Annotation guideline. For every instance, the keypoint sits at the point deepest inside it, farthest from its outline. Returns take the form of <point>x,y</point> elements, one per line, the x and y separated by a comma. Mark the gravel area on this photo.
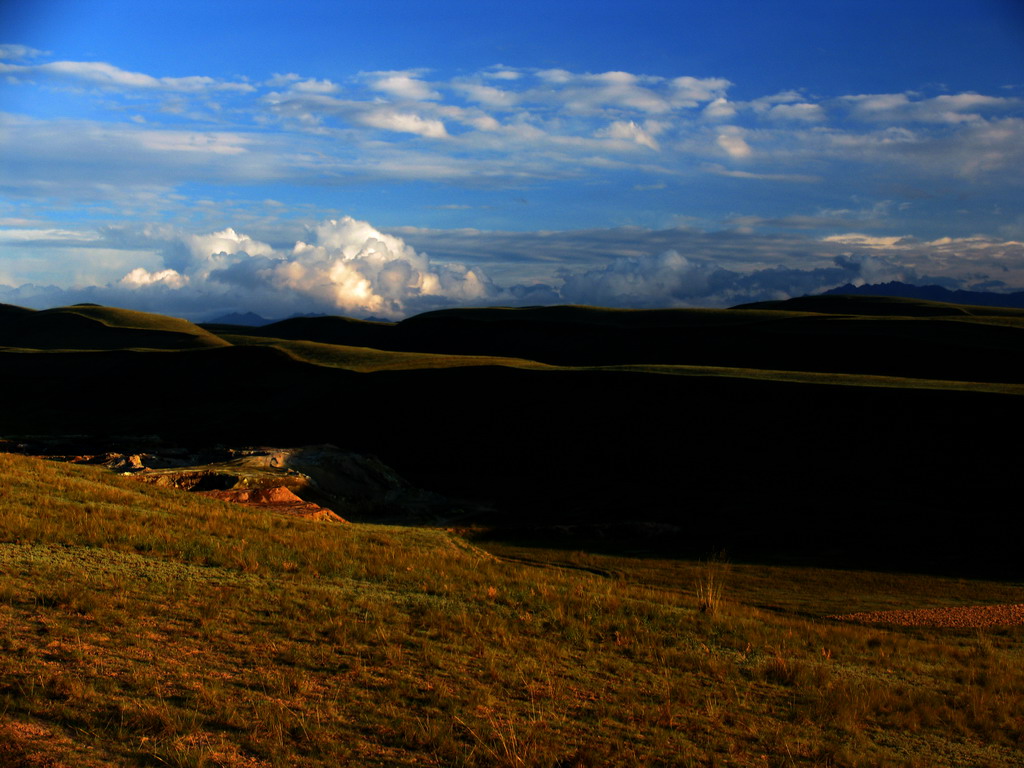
<point>959,616</point>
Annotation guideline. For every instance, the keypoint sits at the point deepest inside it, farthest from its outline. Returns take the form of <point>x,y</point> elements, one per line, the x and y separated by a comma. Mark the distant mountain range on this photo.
<point>240,318</point>
<point>932,293</point>
<point>251,319</point>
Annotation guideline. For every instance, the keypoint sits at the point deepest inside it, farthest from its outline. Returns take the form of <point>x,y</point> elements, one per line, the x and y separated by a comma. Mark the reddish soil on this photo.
<point>279,499</point>
<point>959,616</point>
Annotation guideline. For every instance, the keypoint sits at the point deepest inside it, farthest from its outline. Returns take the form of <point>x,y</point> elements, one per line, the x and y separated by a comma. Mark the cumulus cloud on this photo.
<point>347,266</point>
<point>659,280</point>
<point>139,277</point>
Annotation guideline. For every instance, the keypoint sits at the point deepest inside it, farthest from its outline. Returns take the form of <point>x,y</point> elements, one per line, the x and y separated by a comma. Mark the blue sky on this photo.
<point>392,157</point>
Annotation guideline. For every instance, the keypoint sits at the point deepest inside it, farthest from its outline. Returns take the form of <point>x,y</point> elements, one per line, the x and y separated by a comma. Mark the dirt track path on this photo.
<point>960,616</point>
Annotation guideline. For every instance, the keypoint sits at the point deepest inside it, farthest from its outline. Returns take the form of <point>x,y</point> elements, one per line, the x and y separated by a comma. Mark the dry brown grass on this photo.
<point>139,627</point>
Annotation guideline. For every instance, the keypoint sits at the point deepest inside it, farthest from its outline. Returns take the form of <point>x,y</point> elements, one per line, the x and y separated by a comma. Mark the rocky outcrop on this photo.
<point>342,483</point>
<point>277,499</point>
<point>329,482</point>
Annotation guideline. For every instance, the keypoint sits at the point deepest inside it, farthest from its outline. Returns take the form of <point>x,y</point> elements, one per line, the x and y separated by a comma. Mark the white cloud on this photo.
<point>140,277</point>
<point>11,51</point>
<point>495,127</point>
<point>403,85</point>
<point>44,235</point>
<point>660,280</point>
<point>487,95</point>
<point>690,91</point>
<point>947,108</point>
<point>313,85</point>
<point>218,249</point>
<point>104,75</point>
<point>347,266</point>
<point>802,112</point>
<point>192,141</point>
<point>719,109</point>
<point>402,122</point>
<point>629,131</point>
<point>128,164</point>
<point>865,241</point>
<point>502,74</point>
<point>731,140</point>
<point>720,170</point>
<point>586,94</point>
<point>278,80</point>
<point>482,123</point>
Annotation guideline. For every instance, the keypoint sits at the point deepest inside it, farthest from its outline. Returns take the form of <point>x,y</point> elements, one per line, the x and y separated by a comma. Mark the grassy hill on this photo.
<point>856,304</point>
<point>851,335</point>
<point>87,326</point>
<point>145,627</point>
<point>881,435</point>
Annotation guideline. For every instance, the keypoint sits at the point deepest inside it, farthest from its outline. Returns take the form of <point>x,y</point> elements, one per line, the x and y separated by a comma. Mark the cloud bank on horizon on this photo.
<point>349,267</point>
<point>201,192</point>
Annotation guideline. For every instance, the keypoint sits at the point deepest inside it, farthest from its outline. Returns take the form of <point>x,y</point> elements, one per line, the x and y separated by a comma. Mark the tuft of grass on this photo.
<point>711,584</point>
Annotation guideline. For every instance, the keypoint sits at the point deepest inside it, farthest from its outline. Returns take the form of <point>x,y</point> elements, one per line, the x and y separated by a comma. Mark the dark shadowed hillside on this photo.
<point>826,436</point>
<point>882,336</point>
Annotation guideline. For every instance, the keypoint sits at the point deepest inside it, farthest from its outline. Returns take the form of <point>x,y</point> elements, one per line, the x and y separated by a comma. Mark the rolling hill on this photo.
<point>91,327</point>
<point>833,334</point>
<point>834,430</point>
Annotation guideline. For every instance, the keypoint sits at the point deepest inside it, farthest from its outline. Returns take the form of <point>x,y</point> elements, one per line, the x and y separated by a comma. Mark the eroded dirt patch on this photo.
<point>278,499</point>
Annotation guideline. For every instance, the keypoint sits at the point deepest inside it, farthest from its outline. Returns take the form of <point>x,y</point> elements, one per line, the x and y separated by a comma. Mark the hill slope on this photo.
<point>853,335</point>
<point>784,457</point>
<point>143,627</point>
<point>86,326</point>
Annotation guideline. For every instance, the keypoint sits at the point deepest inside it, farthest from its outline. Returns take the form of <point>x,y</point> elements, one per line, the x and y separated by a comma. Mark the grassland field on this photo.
<point>141,626</point>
